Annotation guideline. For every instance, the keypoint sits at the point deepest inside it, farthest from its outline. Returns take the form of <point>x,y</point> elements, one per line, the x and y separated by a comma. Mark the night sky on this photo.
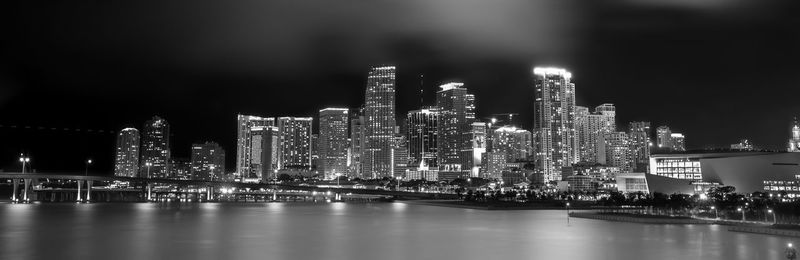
<point>716,70</point>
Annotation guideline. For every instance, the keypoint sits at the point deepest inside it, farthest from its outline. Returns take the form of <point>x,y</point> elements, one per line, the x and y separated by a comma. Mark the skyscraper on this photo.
<point>379,122</point>
<point>246,154</point>
<point>127,155</point>
<point>478,145</point>
<point>456,115</point>
<point>663,135</point>
<point>590,127</point>
<point>794,142</point>
<point>422,137</point>
<point>155,149</point>
<point>333,141</point>
<point>639,135</point>
<point>399,155</point>
<point>554,121</point>
<point>514,142</point>
<point>357,146</point>
<point>678,142</point>
<point>295,142</point>
<point>180,168</point>
<point>207,161</point>
<point>614,150</point>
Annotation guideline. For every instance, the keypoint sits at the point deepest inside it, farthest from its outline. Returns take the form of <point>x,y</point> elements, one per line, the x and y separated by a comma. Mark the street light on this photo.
<point>774,219</point>
<point>398,182</point>
<point>337,179</point>
<point>24,160</point>
<point>88,162</point>
<point>740,209</point>
<point>212,167</point>
<point>716,215</point>
<point>567,208</point>
<point>148,164</point>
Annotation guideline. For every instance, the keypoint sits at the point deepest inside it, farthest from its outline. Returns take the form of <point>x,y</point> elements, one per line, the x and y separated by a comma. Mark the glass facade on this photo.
<point>679,168</point>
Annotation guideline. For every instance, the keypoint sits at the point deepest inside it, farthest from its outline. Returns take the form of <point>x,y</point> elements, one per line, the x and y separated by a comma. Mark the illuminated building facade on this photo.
<point>554,121</point>
<point>295,142</point>
<point>639,137</point>
<point>155,150</point>
<point>743,145</point>
<point>207,161</point>
<point>670,141</point>
<point>379,122</point>
<point>422,137</point>
<point>400,157</point>
<point>515,143</point>
<point>454,140</point>
<point>248,157</point>
<point>477,148</point>
<point>332,143</point>
<point>127,155</point>
<point>180,168</point>
<point>356,148</point>
<point>590,127</point>
<point>615,151</point>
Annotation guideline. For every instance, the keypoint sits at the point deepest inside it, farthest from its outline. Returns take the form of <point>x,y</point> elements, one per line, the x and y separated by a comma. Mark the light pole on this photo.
<point>24,160</point>
<point>716,215</point>
<point>88,162</point>
<point>774,219</point>
<point>148,164</point>
<point>337,180</point>
<point>741,210</point>
<point>398,182</point>
<point>567,208</point>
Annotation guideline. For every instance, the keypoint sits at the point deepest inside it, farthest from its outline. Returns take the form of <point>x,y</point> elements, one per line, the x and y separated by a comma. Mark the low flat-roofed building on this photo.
<point>748,172</point>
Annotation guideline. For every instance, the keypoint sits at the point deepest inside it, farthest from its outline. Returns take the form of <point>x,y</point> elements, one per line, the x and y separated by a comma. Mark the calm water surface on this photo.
<point>350,231</point>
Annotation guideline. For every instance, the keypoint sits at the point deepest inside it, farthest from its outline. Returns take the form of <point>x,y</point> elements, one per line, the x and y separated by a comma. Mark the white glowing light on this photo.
<point>544,71</point>
<point>451,85</point>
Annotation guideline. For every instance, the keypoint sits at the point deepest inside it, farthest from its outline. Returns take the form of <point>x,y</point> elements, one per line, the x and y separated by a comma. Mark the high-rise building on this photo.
<point>356,148</point>
<point>794,142</point>
<point>554,121</point>
<point>127,155</point>
<point>295,142</point>
<point>270,154</point>
<point>207,161</point>
<point>663,137</point>
<point>155,150</point>
<point>456,115</point>
<point>678,141</point>
<point>478,146</point>
<point>615,151</point>
<point>422,137</point>
<point>180,168</point>
<point>399,155</point>
<point>639,135</point>
<point>514,142</point>
<point>315,160</point>
<point>379,122</point>
<point>590,127</point>
<point>332,143</point>
<point>248,157</point>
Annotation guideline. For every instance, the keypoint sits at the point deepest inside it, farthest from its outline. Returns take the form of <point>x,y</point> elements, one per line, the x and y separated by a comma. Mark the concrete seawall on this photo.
<point>766,231</point>
<point>639,219</point>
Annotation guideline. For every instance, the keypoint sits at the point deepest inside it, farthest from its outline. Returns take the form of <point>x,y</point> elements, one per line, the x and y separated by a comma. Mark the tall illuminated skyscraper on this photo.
<point>333,141</point>
<point>554,121</point>
<point>356,148</point>
<point>127,155</point>
<point>456,115</point>
<point>513,142</point>
<point>614,150</point>
<point>248,150</point>
<point>591,127</point>
<point>422,136</point>
<point>295,142</point>
<point>207,161</point>
<point>639,135</point>
<point>155,149</point>
<point>379,122</point>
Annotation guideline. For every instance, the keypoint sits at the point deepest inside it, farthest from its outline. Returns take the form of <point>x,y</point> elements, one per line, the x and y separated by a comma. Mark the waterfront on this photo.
<point>350,231</point>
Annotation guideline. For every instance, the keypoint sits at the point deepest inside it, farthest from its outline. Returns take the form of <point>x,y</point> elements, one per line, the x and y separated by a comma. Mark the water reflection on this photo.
<point>349,231</point>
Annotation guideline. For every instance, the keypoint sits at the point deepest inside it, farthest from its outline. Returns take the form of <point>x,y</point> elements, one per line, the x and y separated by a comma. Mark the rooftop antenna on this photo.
<point>421,89</point>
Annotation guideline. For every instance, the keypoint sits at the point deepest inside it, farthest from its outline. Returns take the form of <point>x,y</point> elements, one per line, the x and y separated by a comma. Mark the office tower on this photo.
<point>474,153</point>
<point>663,137</point>
<point>295,142</point>
<point>639,135</point>
<point>356,147</point>
<point>422,137</point>
<point>379,122</point>
<point>207,161</point>
<point>678,142</point>
<point>332,143</point>
<point>494,163</point>
<point>315,161</point>
<point>399,155</point>
<point>127,157</point>
<point>615,151</point>
<point>583,143</point>
<point>554,121</point>
<point>155,149</point>
<point>180,168</point>
<point>456,115</point>
<point>246,154</point>
<point>794,142</point>
<point>270,153</point>
<point>515,143</point>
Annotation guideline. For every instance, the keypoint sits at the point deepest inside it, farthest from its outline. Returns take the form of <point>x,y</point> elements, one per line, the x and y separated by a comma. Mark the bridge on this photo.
<point>153,189</point>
